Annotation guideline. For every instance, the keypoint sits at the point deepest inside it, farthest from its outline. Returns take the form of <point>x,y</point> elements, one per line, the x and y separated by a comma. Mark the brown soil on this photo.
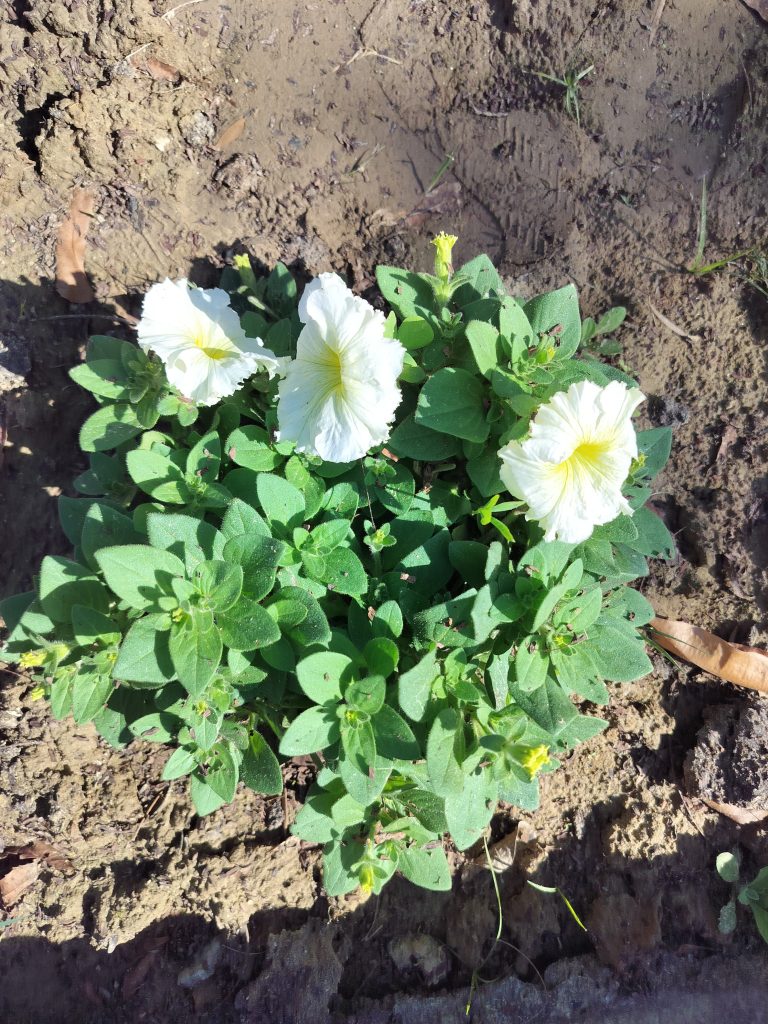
<point>309,132</point>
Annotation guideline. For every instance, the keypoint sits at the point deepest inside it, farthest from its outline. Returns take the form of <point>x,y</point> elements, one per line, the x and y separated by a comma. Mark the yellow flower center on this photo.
<point>212,351</point>
<point>586,458</point>
<point>534,760</point>
<point>333,383</point>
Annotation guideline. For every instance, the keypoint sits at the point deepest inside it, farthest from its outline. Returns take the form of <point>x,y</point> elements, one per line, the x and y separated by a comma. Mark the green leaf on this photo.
<point>192,540</point>
<point>359,745</point>
<point>181,762</point>
<point>452,401</point>
<point>396,492</point>
<point>144,656</point>
<point>250,447</point>
<point>531,664</point>
<point>388,621</point>
<point>204,459</point>
<point>394,737</point>
<point>365,787</point>
<point>223,779</point>
<point>313,629</point>
<point>157,476</point>
<point>246,626</point>
<point>655,445</point>
<point>90,692</point>
<point>219,582</point>
<point>282,502</point>
<point>618,652</point>
<point>611,320</point>
<point>104,527</point>
<point>482,277</point>
<point>344,573</point>
<point>445,774</point>
<point>339,868</point>
<point>315,729</point>
<point>366,694</point>
<point>483,340</point>
<point>653,538</point>
<point>414,687</point>
<point>329,535</point>
<point>281,292</point>
<point>412,440</point>
<point>427,868</point>
<point>61,696</point>
<point>548,706</point>
<point>314,823</point>
<point>558,308</point>
<point>196,647</point>
<point>260,769</point>
<point>107,378</point>
<point>241,518</point>
<point>108,427</point>
<point>408,294</point>
<point>727,865</point>
<point>469,811</point>
<point>259,557</point>
<point>139,574</point>
<point>428,565</point>
<point>414,333</point>
<point>515,326</point>
<point>72,513</point>
<point>64,584</point>
<point>381,656</point>
<point>322,676</point>
<point>483,471</point>
<point>90,626</point>
<point>205,799</point>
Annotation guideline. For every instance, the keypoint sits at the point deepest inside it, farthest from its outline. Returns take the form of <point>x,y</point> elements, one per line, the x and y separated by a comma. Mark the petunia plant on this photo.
<point>397,544</point>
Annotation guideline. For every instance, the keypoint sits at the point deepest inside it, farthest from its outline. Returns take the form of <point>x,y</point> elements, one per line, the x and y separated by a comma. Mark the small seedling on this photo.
<point>442,170</point>
<point>753,895</point>
<point>699,267</point>
<point>570,81</point>
<point>591,331</point>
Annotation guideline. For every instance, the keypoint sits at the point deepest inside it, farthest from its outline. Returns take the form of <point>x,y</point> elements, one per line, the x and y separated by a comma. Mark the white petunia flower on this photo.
<point>571,469</point>
<point>198,336</point>
<point>340,393</point>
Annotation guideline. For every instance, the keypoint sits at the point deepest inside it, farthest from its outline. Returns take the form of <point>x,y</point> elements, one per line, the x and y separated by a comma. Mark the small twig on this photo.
<point>78,316</point>
<point>671,326</point>
<point>488,113</point>
<point>365,51</point>
<point>187,3</point>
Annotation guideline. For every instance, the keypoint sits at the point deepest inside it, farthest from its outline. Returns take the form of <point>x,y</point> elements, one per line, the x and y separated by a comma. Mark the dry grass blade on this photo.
<point>672,326</point>
<point>741,815</point>
<point>744,666</point>
<point>71,282</point>
<point>158,69</point>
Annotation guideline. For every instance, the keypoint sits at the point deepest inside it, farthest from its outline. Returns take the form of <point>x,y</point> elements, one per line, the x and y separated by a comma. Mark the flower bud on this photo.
<point>444,246</point>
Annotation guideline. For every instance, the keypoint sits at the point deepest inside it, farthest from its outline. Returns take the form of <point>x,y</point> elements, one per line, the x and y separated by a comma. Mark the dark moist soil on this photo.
<point>310,132</point>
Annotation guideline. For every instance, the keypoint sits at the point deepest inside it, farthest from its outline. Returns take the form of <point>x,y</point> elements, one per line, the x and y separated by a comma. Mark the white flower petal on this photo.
<point>340,393</point>
<point>571,469</point>
<point>198,336</point>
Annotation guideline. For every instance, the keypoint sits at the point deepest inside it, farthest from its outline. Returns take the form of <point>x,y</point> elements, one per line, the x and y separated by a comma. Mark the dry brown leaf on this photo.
<point>741,815</point>
<point>759,6</point>
<point>71,282</point>
<point>230,134</point>
<point>745,666</point>
<point>159,70</point>
<point>15,882</point>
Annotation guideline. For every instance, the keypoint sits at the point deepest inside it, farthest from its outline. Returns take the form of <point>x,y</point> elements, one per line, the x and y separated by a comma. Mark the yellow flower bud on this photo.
<point>32,659</point>
<point>444,245</point>
<point>534,759</point>
<point>366,878</point>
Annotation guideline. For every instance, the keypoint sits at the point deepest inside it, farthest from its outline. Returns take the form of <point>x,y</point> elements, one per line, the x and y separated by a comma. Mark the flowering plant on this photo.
<point>399,545</point>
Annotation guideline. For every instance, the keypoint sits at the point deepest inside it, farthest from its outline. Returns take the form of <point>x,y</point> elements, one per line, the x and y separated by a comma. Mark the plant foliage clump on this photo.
<point>397,619</point>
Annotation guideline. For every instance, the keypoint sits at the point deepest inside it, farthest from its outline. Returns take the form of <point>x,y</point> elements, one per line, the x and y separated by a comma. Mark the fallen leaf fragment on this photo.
<point>741,815</point>
<point>159,70</point>
<point>71,282</point>
<point>15,883</point>
<point>744,666</point>
<point>230,134</point>
<point>440,202</point>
